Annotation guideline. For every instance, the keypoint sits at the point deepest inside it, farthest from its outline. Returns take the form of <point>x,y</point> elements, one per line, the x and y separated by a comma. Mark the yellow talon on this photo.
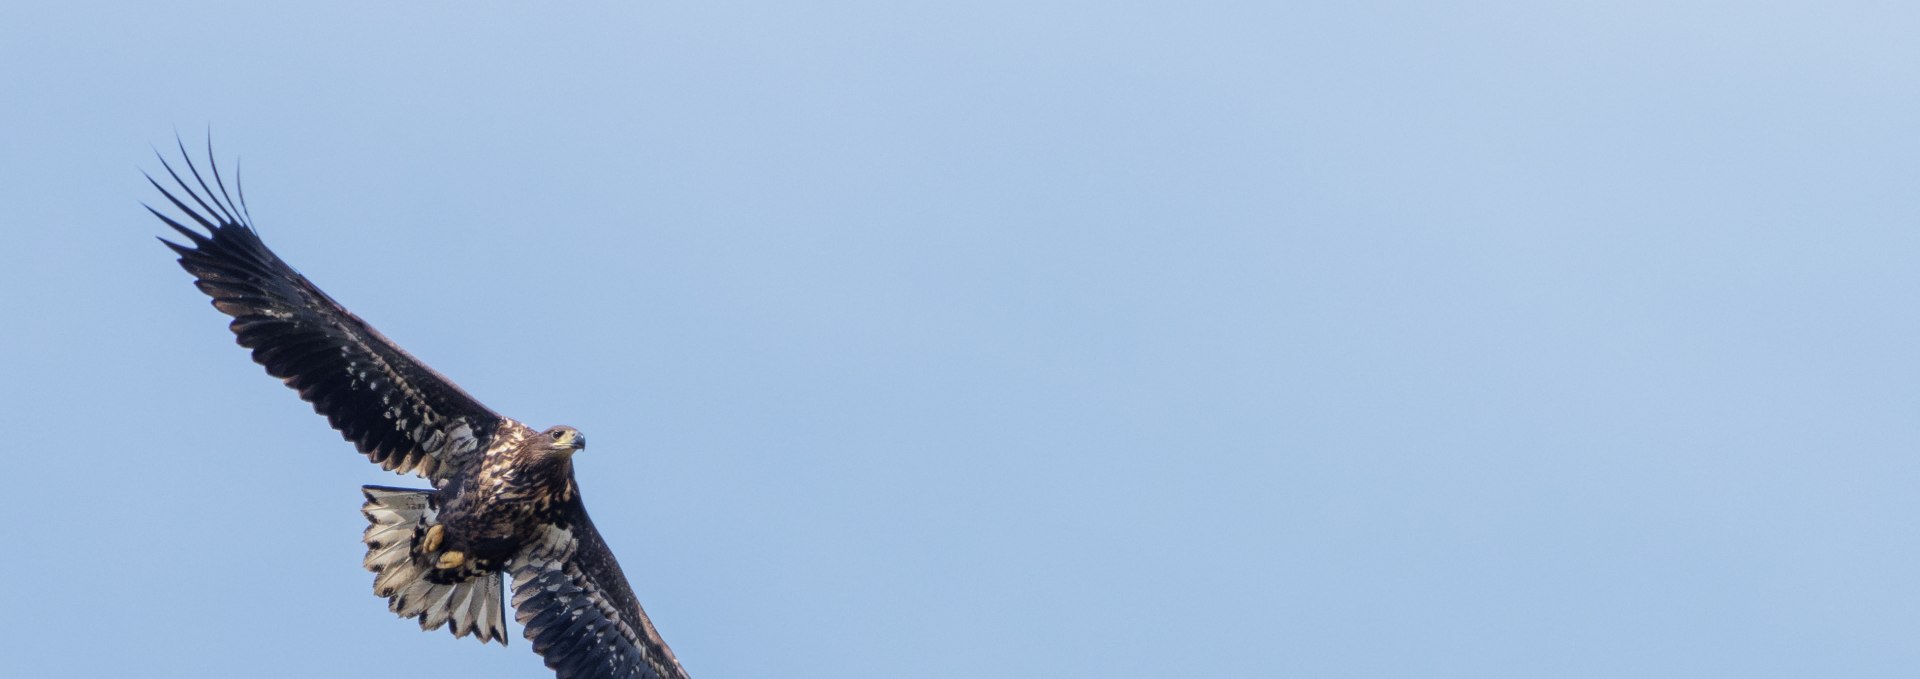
<point>434,536</point>
<point>451,559</point>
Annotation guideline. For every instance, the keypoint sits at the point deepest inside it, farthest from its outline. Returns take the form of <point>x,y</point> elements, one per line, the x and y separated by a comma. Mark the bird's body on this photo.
<point>500,504</point>
<point>504,501</point>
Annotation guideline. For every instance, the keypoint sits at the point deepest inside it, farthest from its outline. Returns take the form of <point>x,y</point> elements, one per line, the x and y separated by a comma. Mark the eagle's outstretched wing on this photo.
<point>402,414</point>
<point>578,609</point>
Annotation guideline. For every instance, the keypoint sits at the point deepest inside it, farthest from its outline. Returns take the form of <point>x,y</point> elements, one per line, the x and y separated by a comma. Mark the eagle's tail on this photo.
<point>398,518</point>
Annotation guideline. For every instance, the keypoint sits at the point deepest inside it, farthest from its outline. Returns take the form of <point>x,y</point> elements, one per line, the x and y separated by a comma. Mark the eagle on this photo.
<point>503,502</point>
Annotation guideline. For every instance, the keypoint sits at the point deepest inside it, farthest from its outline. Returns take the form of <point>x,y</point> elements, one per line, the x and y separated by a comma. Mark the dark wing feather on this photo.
<point>579,611</point>
<point>402,414</point>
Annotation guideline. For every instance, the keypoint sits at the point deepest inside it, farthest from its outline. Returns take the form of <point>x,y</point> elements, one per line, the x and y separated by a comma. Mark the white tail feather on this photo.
<point>397,518</point>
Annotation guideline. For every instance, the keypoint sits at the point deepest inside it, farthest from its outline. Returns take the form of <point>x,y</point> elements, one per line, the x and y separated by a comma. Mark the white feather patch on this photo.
<point>396,518</point>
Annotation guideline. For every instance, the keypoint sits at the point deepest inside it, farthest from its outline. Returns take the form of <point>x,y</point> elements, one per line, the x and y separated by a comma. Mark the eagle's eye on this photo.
<point>555,435</point>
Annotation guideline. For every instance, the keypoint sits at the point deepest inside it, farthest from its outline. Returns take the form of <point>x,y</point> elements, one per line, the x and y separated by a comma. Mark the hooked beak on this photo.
<point>579,442</point>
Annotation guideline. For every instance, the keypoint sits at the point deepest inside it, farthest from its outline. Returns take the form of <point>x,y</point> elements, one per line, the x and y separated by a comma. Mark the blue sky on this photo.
<point>1045,338</point>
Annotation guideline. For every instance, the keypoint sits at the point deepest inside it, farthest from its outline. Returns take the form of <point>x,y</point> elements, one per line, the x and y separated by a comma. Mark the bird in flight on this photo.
<point>503,504</point>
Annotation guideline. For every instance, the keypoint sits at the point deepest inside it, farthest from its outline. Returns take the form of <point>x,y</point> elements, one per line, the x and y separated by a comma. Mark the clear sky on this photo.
<point>1043,339</point>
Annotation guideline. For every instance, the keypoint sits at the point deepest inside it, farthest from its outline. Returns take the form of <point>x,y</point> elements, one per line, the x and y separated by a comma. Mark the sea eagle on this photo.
<point>503,502</point>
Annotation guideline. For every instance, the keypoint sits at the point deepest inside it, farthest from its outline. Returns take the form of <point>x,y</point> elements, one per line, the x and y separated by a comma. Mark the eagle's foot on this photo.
<point>452,559</point>
<point>435,535</point>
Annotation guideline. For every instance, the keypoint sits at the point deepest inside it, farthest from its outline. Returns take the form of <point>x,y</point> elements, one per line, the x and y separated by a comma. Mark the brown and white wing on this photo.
<point>396,410</point>
<point>579,611</point>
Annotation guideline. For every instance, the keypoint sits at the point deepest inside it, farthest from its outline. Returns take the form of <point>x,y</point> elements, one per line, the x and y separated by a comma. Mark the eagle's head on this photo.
<point>563,441</point>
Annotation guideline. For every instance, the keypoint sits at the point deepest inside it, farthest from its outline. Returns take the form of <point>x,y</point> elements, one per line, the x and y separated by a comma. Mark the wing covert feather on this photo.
<point>402,414</point>
<point>580,612</point>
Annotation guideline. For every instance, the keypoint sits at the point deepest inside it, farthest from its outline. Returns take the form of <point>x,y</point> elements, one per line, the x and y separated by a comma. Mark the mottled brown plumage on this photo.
<point>503,501</point>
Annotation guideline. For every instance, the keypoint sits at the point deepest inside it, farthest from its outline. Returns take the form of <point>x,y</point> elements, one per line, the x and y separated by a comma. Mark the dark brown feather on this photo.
<point>396,410</point>
<point>579,611</point>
